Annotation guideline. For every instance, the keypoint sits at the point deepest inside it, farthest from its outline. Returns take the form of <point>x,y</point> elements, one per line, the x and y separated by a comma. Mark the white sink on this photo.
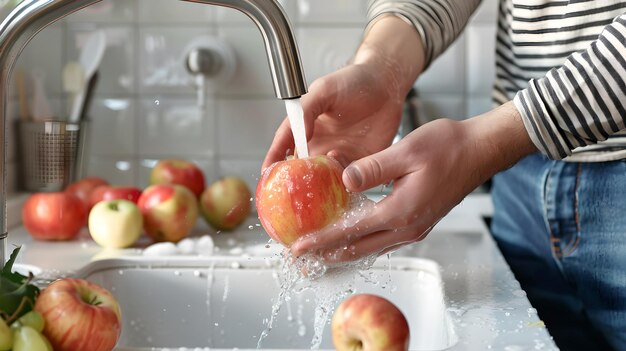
<point>223,303</point>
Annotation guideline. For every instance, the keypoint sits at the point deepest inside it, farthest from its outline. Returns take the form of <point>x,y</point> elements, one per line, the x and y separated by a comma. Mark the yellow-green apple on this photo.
<point>109,192</point>
<point>300,196</point>
<point>115,223</point>
<point>32,319</point>
<point>226,203</point>
<point>179,172</point>
<point>83,188</point>
<point>6,336</point>
<point>27,338</point>
<point>169,211</point>
<point>79,315</point>
<point>371,323</point>
<point>54,216</point>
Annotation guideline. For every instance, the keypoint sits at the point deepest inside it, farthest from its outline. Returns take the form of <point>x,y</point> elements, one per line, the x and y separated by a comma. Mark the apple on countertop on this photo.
<point>169,211</point>
<point>225,204</point>
<point>115,223</point>
<point>178,172</point>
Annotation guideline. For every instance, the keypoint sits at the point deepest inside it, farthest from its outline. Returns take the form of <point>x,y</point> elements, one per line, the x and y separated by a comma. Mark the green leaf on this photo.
<point>17,295</point>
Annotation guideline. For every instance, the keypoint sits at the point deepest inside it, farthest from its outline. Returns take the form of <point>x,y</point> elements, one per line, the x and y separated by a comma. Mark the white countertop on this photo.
<point>488,306</point>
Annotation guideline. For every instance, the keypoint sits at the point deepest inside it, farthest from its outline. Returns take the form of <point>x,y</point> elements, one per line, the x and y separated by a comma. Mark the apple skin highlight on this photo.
<point>300,196</point>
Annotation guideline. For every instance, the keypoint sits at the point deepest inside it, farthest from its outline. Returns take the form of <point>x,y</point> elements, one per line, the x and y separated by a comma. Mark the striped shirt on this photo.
<point>562,62</point>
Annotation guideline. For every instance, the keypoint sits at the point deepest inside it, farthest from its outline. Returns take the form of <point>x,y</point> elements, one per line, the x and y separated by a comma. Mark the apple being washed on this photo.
<point>83,188</point>
<point>225,204</point>
<point>79,315</point>
<point>108,192</point>
<point>179,172</point>
<point>299,196</point>
<point>54,216</point>
<point>169,211</point>
<point>371,323</point>
<point>115,223</point>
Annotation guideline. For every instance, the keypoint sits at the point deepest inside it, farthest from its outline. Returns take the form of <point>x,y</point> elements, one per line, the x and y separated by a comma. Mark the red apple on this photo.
<point>109,192</point>
<point>83,188</point>
<point>79,315</point>
<point>169,211</point>
<point>54,216</point>
<point>300,196</point>
<point>225,204</point>
<point>369,322</point>
<point>115,223</point>
<point>179,172</point>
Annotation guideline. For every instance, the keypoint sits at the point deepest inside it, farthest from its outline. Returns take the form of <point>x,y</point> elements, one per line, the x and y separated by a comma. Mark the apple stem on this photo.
<point>113,206</point>
<point>94,301</point>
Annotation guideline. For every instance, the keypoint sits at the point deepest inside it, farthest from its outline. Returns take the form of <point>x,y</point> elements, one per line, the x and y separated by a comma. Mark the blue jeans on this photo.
<point>562,228</point>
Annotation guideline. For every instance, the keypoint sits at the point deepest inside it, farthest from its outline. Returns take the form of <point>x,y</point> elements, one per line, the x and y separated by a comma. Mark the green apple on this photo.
<point>28,339</point>
<point>115,223</point>
<point>32,319</point>
<point>6,336</point>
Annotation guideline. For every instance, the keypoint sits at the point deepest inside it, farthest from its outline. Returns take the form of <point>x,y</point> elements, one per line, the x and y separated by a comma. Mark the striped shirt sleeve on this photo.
<point>583,101</point>
<point>438,22</point>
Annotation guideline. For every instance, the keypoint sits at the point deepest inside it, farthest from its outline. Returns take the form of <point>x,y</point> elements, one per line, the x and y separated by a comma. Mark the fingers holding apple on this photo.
<point>370,323</point>
<point>79,315</point>
<point>54,216</point>
<point>299,196</point>
<point>178,172</point>
<point>115,223</point>
<point>225,204</point>
<point>169,211</point>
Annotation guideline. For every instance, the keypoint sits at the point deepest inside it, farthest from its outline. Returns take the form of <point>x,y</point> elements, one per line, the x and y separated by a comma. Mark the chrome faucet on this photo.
<point>31,16</point>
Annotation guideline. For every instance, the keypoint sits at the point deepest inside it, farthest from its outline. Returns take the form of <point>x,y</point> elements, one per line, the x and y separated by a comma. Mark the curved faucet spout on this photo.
<point>280,44</point>
<point>31,16</point>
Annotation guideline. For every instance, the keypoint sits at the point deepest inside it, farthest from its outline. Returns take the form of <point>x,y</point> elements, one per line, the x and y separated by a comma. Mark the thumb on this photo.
<point>379,168</point>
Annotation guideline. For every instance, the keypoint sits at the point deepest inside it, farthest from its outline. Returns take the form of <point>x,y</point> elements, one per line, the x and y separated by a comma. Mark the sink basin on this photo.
<point>224,303</point>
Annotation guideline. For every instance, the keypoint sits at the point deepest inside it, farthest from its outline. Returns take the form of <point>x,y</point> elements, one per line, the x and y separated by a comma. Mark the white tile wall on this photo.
<point>146,101</point>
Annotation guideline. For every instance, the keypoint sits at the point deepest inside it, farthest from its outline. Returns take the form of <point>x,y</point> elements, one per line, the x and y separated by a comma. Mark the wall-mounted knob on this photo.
<point>212,61</point>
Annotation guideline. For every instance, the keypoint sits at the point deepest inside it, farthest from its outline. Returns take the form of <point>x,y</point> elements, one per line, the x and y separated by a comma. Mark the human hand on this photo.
<point>348,114</point>
<point>433,169</point>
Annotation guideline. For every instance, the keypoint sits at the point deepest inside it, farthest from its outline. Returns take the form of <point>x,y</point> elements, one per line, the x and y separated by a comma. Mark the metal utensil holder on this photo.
<point>51,154</point>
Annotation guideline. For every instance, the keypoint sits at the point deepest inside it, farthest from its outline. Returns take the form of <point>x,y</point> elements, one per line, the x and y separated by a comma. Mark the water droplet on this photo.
<point>157,102</point>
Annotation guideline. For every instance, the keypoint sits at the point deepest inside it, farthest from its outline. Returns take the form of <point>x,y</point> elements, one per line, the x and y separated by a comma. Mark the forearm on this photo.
<point>438,22</point>
<point>393,48</point>
<point>581,102</point>
<point>500,139</point>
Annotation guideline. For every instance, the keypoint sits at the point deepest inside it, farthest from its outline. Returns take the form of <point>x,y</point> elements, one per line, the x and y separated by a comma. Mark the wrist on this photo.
<point>394,50</point>
<point>500,138</point>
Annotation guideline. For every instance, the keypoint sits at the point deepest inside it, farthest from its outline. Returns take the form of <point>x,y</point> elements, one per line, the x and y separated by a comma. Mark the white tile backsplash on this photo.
<point>332,11</point>
<point>146,104</point>
<point>161,61</point>
<point>447,73</point>
<point>107,11</point>
<point>481,41</point>
<point>326,50</point>
<point>112,127</point>
<point>252,75</point>
<point>173,127</point>
<point>246,127</point>
<point>168,11</point>
<point>116,171</point>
